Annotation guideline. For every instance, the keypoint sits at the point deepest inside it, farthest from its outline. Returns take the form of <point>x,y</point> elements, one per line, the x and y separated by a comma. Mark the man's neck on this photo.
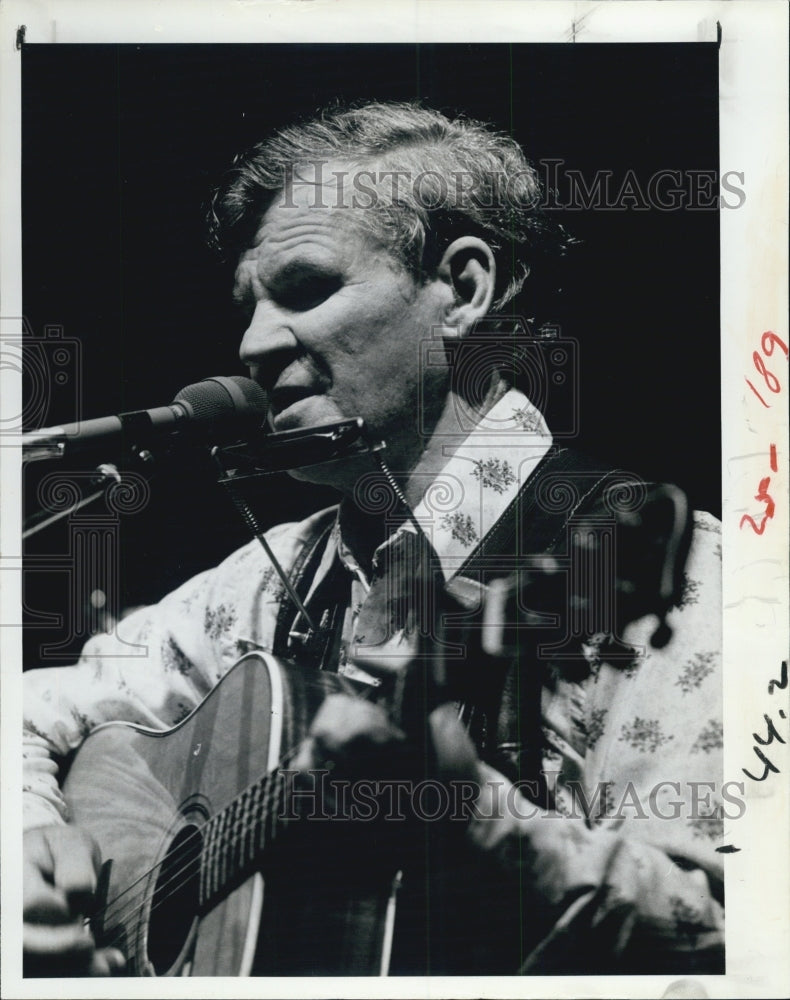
<point>455,423</point>
<point>363,530</point>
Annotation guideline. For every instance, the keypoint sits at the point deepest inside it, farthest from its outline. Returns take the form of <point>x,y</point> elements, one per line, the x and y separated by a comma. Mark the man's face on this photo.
<point>335,329</point>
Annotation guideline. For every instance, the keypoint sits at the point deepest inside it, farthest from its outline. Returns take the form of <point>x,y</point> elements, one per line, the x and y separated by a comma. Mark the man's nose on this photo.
<point>268,342</point>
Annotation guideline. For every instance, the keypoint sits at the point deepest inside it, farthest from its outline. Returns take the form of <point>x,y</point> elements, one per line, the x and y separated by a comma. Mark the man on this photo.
<point>377,251</point>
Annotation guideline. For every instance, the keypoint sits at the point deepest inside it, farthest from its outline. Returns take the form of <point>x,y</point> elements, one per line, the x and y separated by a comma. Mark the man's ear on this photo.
<point>468,266</point>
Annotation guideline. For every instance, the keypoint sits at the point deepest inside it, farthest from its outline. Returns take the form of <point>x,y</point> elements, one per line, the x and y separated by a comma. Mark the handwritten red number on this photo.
<point>771,381</point>
<point>757,394</point>
<point>770,508</point>
<point>762,496</point>
<point>768,340</point>
<point>748,519</point>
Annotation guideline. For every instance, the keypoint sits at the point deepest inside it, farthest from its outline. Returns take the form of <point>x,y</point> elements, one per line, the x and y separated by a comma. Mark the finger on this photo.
<point>107,962</point>
<point>75,866</point>
<point>68,951</point>
<point>43,903</point>
<point>67,946</point>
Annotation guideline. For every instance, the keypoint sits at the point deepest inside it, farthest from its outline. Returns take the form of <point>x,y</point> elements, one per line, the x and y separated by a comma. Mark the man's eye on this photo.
<point>307,293</point>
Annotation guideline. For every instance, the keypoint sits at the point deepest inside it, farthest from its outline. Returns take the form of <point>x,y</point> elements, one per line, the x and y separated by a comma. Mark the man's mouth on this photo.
<point>283,397</point>
<point>285,406</point>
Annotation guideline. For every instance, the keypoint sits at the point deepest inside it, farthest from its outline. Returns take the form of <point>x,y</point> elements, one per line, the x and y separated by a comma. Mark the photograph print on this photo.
<point>387,639</point>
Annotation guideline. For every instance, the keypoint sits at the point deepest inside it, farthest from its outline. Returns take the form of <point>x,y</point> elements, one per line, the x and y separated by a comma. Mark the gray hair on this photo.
<point>464,178</point>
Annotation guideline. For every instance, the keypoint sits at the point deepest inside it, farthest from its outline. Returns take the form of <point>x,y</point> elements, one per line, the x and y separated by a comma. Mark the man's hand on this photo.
<point>356,740</point>
<point>61,864</point>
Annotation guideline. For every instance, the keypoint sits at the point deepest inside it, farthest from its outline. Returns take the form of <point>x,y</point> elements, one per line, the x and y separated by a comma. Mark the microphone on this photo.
<point>220,410</point>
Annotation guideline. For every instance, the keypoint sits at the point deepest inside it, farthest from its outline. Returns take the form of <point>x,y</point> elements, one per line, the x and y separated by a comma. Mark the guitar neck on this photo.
<point>234,839</point>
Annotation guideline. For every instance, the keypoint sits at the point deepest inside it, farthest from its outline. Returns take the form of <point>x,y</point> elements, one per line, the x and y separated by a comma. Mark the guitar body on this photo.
<point>149,797</point>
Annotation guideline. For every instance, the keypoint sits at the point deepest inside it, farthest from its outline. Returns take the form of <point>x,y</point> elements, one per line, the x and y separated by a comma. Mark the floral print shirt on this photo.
<point>626,854</point>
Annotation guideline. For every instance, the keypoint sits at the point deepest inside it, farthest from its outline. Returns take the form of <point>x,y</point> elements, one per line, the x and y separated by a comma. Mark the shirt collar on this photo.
<point>463,502</point>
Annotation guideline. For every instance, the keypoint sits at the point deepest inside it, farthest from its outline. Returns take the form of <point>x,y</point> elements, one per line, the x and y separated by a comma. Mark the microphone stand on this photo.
<point>106,475</point>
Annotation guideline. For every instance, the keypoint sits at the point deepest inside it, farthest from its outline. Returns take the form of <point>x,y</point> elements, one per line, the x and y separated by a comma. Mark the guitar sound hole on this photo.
<point>175,902</point>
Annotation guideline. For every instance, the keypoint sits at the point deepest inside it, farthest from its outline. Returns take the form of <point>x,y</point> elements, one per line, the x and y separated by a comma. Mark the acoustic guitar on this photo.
<point>198,829</point>
<point>185,818</point>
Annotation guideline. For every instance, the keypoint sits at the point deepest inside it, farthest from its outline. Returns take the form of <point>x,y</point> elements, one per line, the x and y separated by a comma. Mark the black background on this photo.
<point>122,145</point>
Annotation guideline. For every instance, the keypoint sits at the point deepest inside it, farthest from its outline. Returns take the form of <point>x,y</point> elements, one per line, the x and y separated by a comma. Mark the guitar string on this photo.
<point>275,791</point>
<point>278,789</point>
<point>286,757</point>
<point>194,862</point>
<point>135,908</point>
<point>199,833</point>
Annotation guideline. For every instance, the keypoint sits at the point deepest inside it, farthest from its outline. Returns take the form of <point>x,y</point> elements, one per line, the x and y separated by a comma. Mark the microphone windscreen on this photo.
<point>256,398</point>
<point>225,396</point>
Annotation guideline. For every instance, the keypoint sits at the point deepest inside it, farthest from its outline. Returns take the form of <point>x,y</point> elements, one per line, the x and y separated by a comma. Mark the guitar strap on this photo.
<point>564,486</point>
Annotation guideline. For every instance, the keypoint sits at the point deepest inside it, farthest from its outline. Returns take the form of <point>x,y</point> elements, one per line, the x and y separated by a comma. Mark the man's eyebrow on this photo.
<point>282,274</point>
<point>297,266</point>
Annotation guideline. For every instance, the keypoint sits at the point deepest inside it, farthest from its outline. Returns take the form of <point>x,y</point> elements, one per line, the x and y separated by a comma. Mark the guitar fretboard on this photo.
<point>235,837</point>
